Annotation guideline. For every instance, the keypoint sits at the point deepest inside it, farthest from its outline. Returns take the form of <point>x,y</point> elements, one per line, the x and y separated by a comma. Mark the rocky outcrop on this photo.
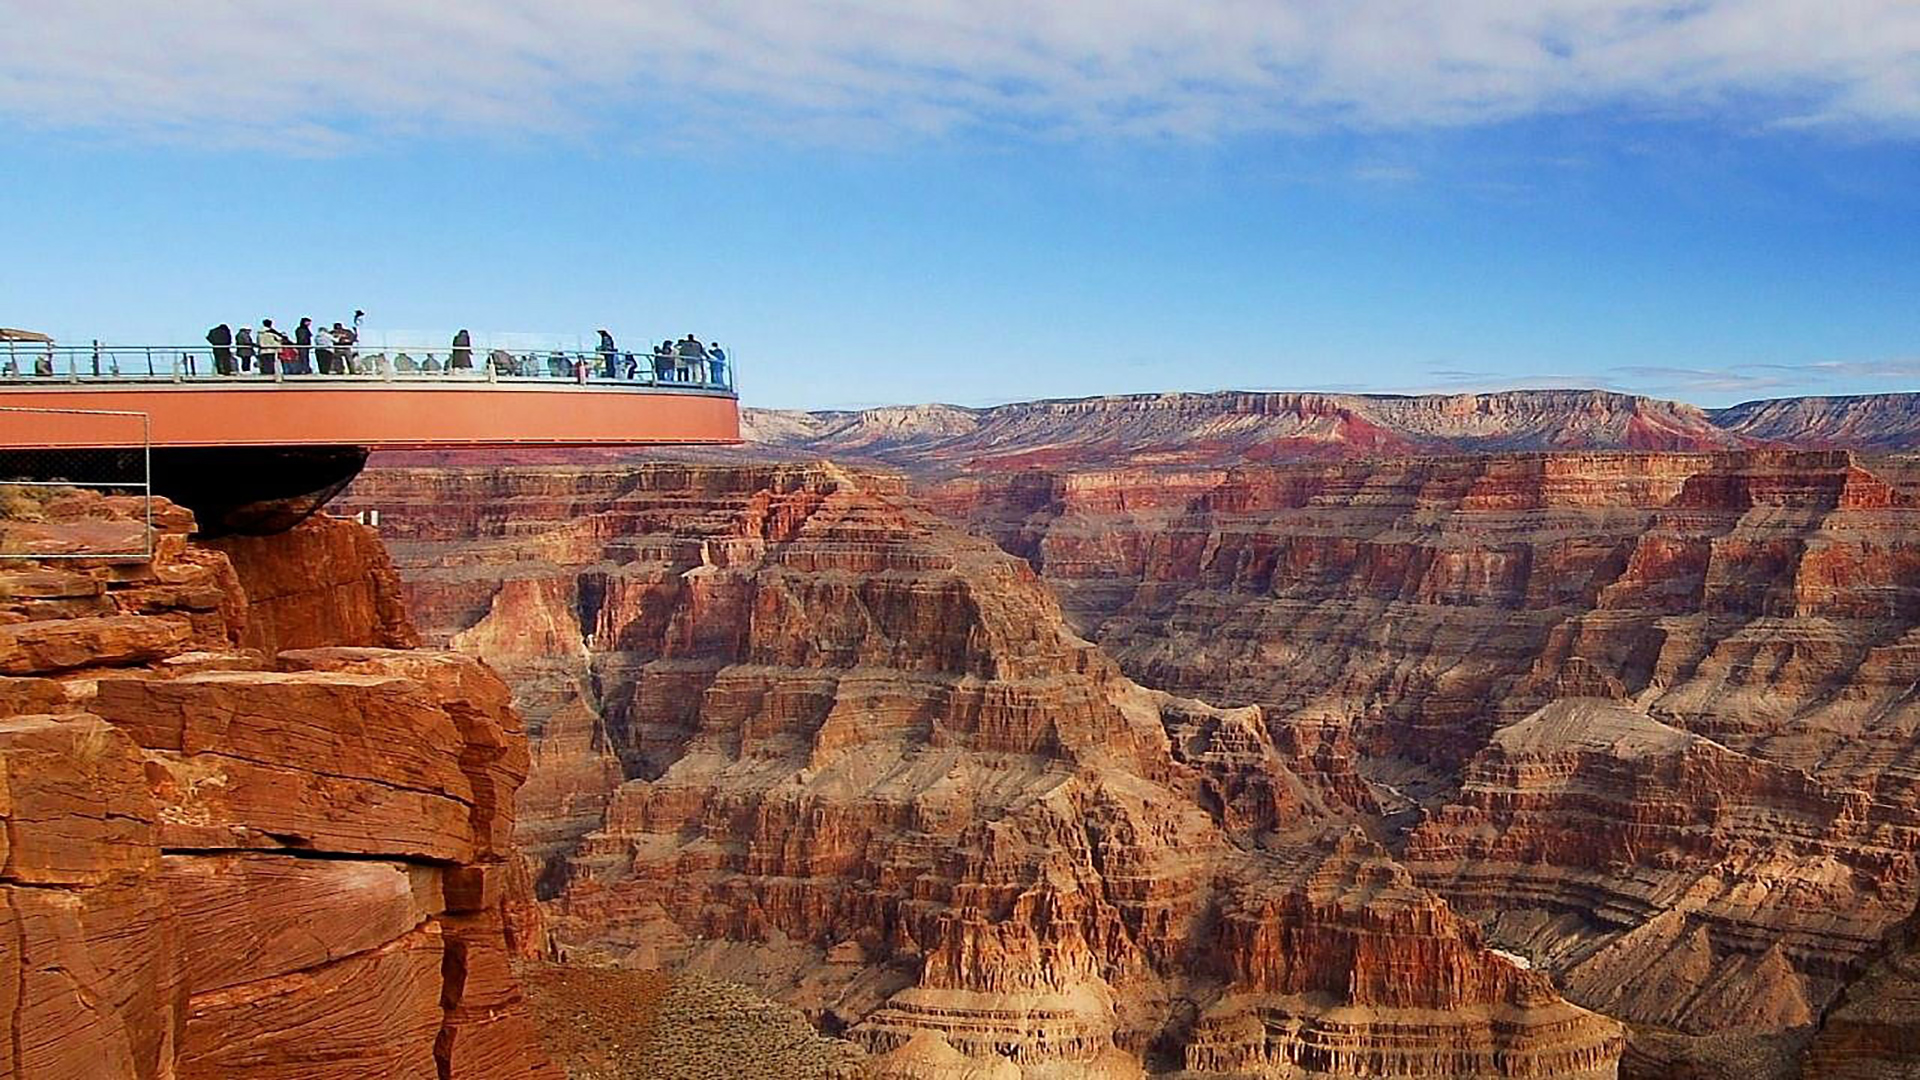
<point>218,863</point>
<point>857,759</point>
<point>1671,880</point>
<point>1873,1030</point>
<point>1353,925</point>
<point>323,582</point>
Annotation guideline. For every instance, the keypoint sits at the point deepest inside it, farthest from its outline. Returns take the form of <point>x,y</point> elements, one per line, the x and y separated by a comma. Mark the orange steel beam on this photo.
<point>379,416</point>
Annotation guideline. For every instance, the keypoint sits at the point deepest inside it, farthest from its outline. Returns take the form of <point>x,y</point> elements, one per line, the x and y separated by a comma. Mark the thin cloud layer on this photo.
<point>319,76</point>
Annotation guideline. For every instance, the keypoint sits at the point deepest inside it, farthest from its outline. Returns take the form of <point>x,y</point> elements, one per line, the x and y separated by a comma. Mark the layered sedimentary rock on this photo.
<point>1162,430</point>
<point>1353,925</point>
<point>793,728</point>
<point>1850,422</point>
<point>1872,1032</point>
<point>1651,714</point>
<point>1238,427</point>
<point>1645,718</point>
<point>219,863</point>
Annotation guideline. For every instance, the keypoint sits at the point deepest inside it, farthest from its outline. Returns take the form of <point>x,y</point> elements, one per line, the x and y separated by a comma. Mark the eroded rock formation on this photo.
<point>792,728</point>
<point>219,862</point>
<point>1649,717</point>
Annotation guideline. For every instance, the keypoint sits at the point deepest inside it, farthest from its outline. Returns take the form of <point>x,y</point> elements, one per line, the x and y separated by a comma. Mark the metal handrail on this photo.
<point>39,363</point>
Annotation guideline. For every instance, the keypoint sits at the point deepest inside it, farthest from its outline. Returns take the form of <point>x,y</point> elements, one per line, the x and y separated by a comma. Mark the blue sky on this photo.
<point>983,202</point>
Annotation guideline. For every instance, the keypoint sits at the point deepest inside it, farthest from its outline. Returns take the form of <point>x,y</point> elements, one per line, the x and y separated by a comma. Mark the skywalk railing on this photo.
<point>40,363</point>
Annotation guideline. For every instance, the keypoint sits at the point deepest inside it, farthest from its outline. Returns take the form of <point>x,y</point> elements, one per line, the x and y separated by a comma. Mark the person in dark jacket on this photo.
<point>717,365</point>
<point>303,348</point>
<point>461,359</point>
<point>663,361</point>
<point>343,355</point>
<point>243,346</point>
<point>221,338</point>
<point>609,355</point>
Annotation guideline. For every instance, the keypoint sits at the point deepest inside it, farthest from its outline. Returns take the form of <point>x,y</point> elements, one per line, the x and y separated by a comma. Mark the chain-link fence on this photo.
<point>75,484</point>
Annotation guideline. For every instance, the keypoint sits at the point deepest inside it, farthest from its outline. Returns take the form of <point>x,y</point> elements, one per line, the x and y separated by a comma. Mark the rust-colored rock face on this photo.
<point>791,727</point>
<point>323,583</point>
<point>222,864</point>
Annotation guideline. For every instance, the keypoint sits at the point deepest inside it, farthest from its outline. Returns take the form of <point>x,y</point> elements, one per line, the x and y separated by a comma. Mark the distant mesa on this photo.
<point>1247,427</point>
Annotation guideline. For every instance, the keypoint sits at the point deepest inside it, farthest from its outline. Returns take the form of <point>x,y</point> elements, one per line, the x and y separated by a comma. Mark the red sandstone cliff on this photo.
<point>219,862</point>
<point>793,728</point>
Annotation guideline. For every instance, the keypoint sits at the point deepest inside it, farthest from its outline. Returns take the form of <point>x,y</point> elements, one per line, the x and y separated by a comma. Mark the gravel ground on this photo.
<point>609,1024</point>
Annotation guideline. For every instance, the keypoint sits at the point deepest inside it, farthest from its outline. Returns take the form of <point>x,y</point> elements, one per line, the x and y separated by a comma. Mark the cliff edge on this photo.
<point>220,860</point>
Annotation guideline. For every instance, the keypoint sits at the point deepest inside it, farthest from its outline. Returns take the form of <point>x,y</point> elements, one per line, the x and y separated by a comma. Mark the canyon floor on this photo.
<point>611,1024</point>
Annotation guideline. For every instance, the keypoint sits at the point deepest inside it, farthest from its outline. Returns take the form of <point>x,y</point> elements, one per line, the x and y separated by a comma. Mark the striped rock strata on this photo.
<point>1648,717</point>
<point>791,728</point>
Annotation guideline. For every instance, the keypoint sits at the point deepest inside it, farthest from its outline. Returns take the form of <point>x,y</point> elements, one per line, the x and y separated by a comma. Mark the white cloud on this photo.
<point>315,76</point>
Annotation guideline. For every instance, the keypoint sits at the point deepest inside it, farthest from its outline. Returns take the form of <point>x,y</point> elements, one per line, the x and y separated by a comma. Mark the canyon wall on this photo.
<point>1648,717</point>
<point>248,841</point>
<point>792,728</point>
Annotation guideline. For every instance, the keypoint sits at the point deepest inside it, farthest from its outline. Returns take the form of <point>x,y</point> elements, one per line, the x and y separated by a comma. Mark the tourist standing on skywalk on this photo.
<point>323,351</point>
<point>609,355</point>
<point>303,348</point>
<point>221,338</point>
<point>272,341</point>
